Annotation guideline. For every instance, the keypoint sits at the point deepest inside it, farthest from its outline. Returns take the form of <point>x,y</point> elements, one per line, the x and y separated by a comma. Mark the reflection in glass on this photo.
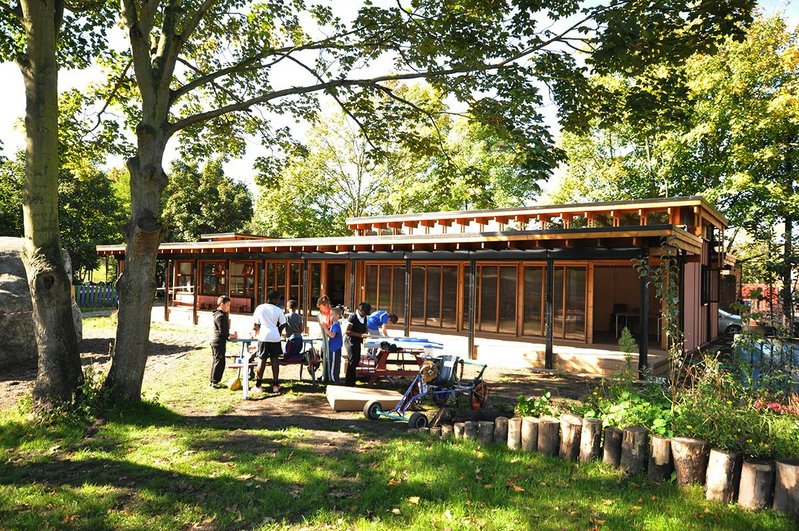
<point>433,308</point>
<point>449,297</point>
<point>507,300</point>
<point>488,299</point>
<point>417,295</point>
<point>533,301</point>
<point>557,304</point>
<point>575,303</point>
<point>398,302</point>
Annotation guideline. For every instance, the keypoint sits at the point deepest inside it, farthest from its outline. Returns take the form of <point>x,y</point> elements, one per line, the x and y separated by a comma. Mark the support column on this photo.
<point>352,284</point>
<point>407,309</point>
<point>197,279</point>
<point>472,304</point>
<point>549,354</point>
<point>643,341</point>
<point>167,285</point>
<point>305,296</point>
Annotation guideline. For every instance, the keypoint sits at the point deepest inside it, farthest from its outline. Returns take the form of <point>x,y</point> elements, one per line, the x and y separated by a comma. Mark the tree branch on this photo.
<point>111,95</point>
<point>189,28</point>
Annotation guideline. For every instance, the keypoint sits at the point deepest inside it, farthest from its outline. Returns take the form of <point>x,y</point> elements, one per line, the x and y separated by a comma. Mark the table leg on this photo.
<point>245,370</point>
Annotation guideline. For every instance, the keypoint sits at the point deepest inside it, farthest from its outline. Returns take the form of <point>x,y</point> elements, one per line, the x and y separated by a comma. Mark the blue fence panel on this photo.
<point>96,295</point>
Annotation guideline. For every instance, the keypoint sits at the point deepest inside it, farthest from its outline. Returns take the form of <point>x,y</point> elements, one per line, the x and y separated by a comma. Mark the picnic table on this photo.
<point>394,357</point>
<point>311,359</point>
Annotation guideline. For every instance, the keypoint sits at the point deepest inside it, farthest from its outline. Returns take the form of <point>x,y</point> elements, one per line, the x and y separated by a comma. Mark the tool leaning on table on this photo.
<point>245,359</point>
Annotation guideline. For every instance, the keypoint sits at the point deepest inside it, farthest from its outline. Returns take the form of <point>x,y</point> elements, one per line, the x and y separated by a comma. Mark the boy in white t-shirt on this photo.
<point>269,322</point>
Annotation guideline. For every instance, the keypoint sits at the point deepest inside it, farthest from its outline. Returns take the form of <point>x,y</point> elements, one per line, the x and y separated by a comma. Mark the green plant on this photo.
<point>535,406</point>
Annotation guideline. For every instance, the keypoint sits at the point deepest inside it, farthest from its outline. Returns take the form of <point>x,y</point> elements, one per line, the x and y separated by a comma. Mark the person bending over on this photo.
<point>377,322</point>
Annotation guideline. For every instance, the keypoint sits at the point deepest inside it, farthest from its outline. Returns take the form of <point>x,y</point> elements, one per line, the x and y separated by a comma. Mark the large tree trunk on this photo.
<point>59,371</point>
<point>136,287</point>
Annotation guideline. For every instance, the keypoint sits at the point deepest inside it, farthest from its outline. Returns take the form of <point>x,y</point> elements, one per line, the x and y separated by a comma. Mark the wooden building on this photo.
<point>547,274</point>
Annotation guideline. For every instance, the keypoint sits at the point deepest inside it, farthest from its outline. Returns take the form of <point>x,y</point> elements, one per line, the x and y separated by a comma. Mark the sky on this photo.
<point>12,108</point>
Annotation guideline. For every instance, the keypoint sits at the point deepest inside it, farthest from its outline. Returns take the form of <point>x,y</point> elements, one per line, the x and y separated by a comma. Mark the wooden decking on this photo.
<point>596,360</point>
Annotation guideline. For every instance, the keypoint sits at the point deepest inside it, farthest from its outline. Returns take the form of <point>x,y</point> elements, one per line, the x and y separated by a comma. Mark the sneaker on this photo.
<point>257,389</point>
<point>275,388</point>
<point>216,385</point>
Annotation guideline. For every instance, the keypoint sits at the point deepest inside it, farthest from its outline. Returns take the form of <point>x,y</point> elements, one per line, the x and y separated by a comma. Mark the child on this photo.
<point>219,342</point>
<point>293,330</point>
<point>335,342</point>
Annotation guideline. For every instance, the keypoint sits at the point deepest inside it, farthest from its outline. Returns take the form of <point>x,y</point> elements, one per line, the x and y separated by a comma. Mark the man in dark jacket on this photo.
<point>354,339</point>
<point>219,341</point>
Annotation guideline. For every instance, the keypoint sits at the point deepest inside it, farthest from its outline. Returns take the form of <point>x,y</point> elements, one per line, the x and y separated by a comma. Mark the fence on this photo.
<point>96,294</point>
<point>770,363</point>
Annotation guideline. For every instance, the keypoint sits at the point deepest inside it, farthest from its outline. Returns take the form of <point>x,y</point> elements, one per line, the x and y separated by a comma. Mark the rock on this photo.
<point>16,319</point>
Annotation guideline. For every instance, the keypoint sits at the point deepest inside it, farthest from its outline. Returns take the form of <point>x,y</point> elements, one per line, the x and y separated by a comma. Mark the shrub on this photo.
<point>536,406</point>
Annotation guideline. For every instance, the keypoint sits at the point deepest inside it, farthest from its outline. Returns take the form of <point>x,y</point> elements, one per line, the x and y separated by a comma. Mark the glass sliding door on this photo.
<point>507,300</point>
<point>575,303</point>
<point>487,295</point>
<point>533,324</point>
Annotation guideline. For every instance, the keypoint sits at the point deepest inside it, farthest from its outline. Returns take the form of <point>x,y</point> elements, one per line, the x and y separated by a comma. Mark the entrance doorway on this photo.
<point>329,278</point>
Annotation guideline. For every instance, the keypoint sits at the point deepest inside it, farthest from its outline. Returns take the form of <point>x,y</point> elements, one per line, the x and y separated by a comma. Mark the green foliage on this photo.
<point>629,347</point>
<point>622,405</point>
<point>89,212</point>
<point>11,183</point>
<point>536,406</point>
<point>204,201</point>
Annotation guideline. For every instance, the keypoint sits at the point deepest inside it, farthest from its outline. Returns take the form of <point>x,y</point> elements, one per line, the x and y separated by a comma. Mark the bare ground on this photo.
<point>301,404</point>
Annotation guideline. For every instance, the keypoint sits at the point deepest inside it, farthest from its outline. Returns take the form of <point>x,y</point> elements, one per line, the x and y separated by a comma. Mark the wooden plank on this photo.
<point>343,398</point>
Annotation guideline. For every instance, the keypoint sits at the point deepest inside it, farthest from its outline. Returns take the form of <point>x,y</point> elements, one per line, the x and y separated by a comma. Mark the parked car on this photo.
<point>729,323</point>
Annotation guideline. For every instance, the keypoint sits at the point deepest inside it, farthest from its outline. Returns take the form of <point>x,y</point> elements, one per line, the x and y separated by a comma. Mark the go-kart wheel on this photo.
<point>372,410</point>
<point>418,420</point>
<point>479,395</point>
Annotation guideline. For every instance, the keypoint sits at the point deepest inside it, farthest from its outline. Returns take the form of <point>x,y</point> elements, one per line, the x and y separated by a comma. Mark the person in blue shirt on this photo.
<point>377,322</point>
<point>335,342</point>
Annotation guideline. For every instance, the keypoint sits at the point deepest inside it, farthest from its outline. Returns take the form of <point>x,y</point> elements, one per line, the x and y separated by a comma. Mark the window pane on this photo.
<point>557,299</point>
<point>488,299</point>
<point>533,300</point>
<point>371,283</point>
<point>295,277</point>
<point>417,295</point>
<point>449,300</point>
<point>398,303</point>
<point>280,278</point>
<point>213,278</point>
<point>507,300</point>
<point>433,309</point>
<point>575,302</point>
<point>383,301</point>
<point>315,279</point>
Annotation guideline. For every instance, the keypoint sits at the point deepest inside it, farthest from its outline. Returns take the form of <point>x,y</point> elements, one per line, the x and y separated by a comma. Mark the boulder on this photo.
<point>18,346</point>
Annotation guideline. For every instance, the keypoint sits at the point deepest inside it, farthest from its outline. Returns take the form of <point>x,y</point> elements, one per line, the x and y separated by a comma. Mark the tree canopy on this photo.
<point>201,201</point>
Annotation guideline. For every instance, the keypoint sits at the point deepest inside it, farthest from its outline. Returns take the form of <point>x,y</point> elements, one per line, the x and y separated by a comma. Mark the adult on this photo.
<point>219,341</point>
<point>268,324</point>
<point>377,322</point>
<point>355,332</point>
<point>324,306</point>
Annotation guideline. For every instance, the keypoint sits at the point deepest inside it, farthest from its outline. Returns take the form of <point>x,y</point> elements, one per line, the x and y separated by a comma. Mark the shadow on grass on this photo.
<point>224,472</point>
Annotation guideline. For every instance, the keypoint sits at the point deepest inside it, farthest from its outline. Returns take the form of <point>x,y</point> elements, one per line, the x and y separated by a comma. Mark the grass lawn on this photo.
<point>175,462</point>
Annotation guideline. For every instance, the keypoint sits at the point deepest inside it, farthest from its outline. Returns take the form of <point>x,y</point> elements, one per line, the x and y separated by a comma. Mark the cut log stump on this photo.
<point>529,434</point>
<point>571,426</point>
<point>723,476</point>
<point>501,430</point>
<point>470,430</point>
<point>786,487</point>
<point>661,465</point>
<point>611,451</point>
<point>549,436</point>
<point>447,431</point>
<point>425,430</point>
<point>514,433</point>
<point>590,440</point>
<point>458,430</point>
<point>690,460</point>
<point>485,431</point>
<point>634,443</point>
<point>435,432</point>
<point>756,488</point>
